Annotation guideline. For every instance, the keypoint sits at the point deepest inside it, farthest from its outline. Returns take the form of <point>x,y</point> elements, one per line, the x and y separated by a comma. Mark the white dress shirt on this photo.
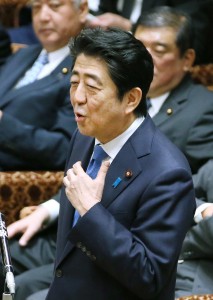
<point>156,104</point>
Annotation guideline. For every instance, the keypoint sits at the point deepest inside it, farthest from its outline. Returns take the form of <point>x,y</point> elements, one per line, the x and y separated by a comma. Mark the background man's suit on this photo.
<point>194,273</point>
<point>195,270</point>
<point>186,118</point>
<point>142,204</point>
<point>37,118</point>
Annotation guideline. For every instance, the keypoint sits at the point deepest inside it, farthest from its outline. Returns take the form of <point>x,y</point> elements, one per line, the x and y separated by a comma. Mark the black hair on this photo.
<point>129,63</point>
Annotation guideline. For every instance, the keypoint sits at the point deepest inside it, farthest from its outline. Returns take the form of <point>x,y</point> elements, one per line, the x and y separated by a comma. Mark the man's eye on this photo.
<point>36,6</point>
<point>54,5</point>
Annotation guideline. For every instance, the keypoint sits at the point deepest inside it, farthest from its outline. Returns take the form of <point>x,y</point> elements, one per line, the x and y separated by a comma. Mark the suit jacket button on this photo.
<point>58,273</point>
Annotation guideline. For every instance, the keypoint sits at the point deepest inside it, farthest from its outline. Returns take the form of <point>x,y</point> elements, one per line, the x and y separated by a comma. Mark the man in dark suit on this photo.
<point>36,119</point>
<point>111,13</point>
<point>17,227</point>
<point>134,215</point>
<point>182,110</point>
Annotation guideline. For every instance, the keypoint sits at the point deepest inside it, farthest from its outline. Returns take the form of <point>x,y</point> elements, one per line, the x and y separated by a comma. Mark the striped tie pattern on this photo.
<point>32,74</point>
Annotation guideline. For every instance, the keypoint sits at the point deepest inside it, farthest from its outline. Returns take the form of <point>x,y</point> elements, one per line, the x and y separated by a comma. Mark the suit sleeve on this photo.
<point>27,146</point>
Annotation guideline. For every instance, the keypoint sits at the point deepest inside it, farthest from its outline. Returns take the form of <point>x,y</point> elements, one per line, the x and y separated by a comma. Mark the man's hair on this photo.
<point>129,63</point>
<point>165,16</point>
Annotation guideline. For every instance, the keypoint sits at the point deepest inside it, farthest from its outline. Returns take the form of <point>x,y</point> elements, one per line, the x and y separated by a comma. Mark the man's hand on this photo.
<point>82,191</point>
<point>208,212</point>
<point>29,225</point>
<point>26,211</point>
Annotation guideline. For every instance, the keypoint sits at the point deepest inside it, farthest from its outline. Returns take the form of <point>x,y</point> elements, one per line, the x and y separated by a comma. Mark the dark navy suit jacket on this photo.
<point>38,118</point>
<point>126,246</point>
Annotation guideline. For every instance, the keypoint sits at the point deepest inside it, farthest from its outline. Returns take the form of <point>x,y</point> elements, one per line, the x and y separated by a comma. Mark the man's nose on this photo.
<point>44,12</point>
<point>80,94</point>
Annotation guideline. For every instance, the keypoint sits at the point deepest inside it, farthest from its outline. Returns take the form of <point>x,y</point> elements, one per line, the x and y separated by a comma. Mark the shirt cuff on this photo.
<point>198,213</point>
<point>53,208</point>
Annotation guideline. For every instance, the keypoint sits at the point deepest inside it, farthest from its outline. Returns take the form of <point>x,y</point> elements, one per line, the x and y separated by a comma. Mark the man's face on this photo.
<point>169,66</point>
<point>56,21</point>
<point>98,111</point>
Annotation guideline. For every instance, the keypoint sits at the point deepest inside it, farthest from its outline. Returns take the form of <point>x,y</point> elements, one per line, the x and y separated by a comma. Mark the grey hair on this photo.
<point>165,16</point>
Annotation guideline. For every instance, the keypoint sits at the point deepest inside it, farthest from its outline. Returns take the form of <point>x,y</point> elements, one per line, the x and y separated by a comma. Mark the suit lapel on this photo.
<point>86,145</point>
<point>58,74</point>
<point>174,103</point>
<point>128,170</point>
<point>24,58</point>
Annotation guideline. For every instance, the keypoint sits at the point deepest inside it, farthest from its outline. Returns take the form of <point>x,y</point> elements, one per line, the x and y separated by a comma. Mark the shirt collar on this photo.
<point>58,54</point>
<point>156,104</point>
<point>114,146</point>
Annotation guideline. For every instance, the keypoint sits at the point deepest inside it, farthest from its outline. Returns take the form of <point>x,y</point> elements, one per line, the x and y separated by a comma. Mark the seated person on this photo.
<point>181,109</point>
<point>36,117</point>
<point>114,13</point>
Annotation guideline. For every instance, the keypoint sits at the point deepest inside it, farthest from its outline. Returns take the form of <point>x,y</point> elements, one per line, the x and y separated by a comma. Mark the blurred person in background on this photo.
<point>181,109</point>
<point>36,117</point>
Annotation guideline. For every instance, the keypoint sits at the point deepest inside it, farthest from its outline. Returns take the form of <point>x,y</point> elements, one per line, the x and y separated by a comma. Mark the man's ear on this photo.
<point>83,11</point>
<point>189,58</point>
<point>133,98</point>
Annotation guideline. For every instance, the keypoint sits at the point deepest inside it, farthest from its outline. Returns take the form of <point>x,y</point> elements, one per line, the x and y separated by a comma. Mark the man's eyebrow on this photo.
<point>89,75</point>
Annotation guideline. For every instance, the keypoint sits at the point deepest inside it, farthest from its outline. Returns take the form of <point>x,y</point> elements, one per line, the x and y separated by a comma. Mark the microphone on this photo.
<point>6,259</point>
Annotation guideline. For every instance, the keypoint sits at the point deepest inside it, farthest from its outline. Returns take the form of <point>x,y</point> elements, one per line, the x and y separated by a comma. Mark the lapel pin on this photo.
<point>128,174</point>
<point>64,70</point>
<point>117,182</point>
<point>169,111</point>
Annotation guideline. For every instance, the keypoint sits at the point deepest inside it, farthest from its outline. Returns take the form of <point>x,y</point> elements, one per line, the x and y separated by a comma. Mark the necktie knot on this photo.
<point>98,156</point>
<point>99,153</point>
<point>43,58</point>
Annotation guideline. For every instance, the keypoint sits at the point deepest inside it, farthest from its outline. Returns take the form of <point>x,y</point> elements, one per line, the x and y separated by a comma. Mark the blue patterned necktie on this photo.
<point>92,170</point>
<point>32,74</point>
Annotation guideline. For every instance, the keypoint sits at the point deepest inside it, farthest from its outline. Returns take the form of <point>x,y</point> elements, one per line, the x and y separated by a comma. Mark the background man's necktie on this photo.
<point>32,74</point>
<point>92,170</point>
